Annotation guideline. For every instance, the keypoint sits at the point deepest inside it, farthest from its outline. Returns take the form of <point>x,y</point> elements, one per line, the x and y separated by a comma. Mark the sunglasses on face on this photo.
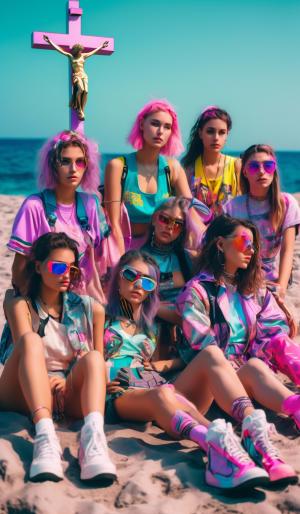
<point>268,166</point>
<point>59,268</point>
<point>174,223</point>
<point>242,243</point>
<point>132,275</point>
<point>80,163</point>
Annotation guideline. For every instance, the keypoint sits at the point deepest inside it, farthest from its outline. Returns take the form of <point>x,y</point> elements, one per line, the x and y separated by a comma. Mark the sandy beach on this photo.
<point>155,473</point>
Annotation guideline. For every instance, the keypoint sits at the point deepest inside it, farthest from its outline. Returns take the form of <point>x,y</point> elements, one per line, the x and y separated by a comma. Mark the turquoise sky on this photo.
<point>242,55</point>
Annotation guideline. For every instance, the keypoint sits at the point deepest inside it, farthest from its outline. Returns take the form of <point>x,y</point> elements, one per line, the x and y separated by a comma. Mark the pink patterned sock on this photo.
<point>184,425</point>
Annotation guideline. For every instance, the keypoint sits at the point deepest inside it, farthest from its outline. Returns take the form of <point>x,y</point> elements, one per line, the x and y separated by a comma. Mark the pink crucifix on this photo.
<point>67,41</point>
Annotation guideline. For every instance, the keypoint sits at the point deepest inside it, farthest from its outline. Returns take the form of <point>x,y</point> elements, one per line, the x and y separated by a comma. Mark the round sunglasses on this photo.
<point>255,166</point>
<point>80,163</point>
<point>59,268</point>
<point>132,275</point>
<point>174,223</point>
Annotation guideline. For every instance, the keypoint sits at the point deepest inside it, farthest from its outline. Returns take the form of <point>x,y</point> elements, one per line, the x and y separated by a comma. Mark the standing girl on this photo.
<point>276,214</point>
<point>146,177</point>
<point>213,177</point>
<point>56,361</point>
<point>67,161</point>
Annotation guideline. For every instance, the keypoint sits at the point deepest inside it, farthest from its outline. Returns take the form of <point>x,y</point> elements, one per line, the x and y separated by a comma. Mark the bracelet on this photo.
<point>40,408</point>
<point>111,201</point>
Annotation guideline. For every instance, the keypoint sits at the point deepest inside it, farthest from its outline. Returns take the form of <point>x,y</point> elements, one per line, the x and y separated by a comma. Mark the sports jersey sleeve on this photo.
<point>30,223</point>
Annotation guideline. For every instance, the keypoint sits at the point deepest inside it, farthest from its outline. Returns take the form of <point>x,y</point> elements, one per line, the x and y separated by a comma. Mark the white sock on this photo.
<point>95,418</point>
<point>44,425</point>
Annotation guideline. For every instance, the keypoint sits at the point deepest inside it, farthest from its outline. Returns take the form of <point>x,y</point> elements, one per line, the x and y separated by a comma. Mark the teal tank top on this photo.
<point>140,206</point>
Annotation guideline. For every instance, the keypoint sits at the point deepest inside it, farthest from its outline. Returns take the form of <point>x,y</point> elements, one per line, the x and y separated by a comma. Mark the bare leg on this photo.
<point>24,383</point>
<point>86,381</point>
<point>159,404</point>
<point>262,385</point>
<point>209,375</point>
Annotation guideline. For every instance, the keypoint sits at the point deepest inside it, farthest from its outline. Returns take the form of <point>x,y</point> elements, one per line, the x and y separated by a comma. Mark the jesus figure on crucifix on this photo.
<point>79,76</point>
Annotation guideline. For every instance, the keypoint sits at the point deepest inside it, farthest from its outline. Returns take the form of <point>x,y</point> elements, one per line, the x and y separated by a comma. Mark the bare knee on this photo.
<point>213,356</point>
<point>255,366</point>
<point>30,343</point>
<point>93,360</point>
<point>163,394</point>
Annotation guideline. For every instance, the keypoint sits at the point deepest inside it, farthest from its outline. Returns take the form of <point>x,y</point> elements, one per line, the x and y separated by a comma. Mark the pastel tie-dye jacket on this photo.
<point>264,322</point>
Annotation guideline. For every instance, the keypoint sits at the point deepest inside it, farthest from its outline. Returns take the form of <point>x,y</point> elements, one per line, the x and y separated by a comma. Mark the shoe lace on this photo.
<point>260,436</point>
<point>234,446</point>
<point>46,446</point>
<point>96,445</point>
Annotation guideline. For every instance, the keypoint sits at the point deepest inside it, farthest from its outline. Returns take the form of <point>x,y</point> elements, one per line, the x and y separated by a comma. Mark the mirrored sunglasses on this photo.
<point>268,166</point>
<point>175,224</point>
<point>242,243</point>
<point>132,275</point>
<point>59,268</point>
<point>80,163</point>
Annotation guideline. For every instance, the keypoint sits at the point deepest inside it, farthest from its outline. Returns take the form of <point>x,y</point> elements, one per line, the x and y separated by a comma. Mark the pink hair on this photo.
<point>50,153</point>
<point>174,145</point>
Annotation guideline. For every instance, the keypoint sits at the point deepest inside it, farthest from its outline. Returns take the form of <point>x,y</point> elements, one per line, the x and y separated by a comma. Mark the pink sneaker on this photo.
<point>256,441</point>
<point>229,466</point>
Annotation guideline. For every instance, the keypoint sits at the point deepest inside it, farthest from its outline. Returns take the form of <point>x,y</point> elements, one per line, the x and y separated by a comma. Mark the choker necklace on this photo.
<point>161,249</point>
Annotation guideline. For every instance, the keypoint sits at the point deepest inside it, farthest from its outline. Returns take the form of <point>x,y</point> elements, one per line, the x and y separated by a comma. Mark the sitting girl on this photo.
<point>140,394</point>
<point>223,306</point>
<point>173,239</point>
<point>67,161</point>
<point>276,214</point>
<point>57,360</point>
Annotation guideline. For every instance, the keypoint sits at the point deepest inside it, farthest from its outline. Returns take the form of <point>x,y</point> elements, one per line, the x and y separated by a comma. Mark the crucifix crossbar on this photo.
<point>67,41</point>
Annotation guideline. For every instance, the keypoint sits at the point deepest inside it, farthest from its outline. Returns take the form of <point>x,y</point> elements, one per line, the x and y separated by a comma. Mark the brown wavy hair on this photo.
<point>248,280</point>
<point>277,203</point>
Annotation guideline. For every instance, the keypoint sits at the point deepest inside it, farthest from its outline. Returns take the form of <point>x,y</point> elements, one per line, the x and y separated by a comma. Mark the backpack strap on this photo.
<point>167,171</point>
<point>49,203</point>
<point>81,213</point>
<point>124,173</point>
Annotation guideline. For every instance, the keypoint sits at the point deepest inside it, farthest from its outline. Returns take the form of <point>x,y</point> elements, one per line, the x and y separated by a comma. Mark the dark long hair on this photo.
<point>149,306</point>
<point>277,203</point>
<point>40,250</point>
<point>249,280</point>
<point>195,144</point>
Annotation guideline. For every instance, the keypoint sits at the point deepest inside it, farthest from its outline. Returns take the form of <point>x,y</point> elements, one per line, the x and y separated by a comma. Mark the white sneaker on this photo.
<point>93,455</point>
<point>229,466</point>
<point>46,463</point>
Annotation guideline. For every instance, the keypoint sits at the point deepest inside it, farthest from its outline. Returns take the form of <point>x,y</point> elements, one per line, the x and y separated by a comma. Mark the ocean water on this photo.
<point>18,166</point>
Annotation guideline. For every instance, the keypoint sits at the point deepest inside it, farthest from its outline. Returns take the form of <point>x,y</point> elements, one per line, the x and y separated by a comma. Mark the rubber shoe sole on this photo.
<point>43,477</point>
<point>249,481</point>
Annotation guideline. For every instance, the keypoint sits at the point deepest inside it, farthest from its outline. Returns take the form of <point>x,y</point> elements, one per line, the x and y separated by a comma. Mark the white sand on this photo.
<point>156,474</point>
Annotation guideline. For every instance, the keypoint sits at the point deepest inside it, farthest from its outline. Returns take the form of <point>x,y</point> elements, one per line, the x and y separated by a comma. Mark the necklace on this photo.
<point>147,171</point>
<point>57,317</point>
<point>212,197</point>
<point>66,219</point>
<point>231,277</point>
